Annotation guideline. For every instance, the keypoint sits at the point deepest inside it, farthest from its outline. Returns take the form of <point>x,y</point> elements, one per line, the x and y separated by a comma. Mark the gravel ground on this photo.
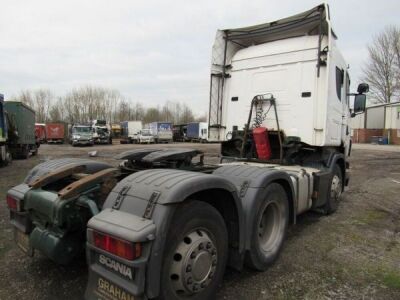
<point>353,254</point>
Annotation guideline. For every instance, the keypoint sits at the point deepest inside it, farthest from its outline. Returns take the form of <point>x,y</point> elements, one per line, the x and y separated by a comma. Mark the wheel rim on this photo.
<point>336,188</point>
<point>193,263</point>
<point>269,227</point>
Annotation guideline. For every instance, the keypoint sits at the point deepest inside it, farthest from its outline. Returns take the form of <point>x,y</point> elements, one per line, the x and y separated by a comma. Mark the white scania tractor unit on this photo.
<point>163,226</point>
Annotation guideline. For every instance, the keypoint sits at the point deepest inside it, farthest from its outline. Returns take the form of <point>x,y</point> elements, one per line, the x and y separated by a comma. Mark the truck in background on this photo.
<point>81,135</point>
<point>145,137</point>
<point>5,155</point>
<point>56,133</point>
<point>197,132</point>
<point>162,131</point>
<point>130,131</point>
<point>101,132</point>
<point>179,132</point>
<point>163,226</point>
<point>21,137</point>
<point>40,132</point>
<point>116,130</point>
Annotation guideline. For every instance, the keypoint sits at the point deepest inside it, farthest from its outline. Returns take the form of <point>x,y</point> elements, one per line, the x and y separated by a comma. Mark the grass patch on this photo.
<point>372,216</point>
<point>392,280</point>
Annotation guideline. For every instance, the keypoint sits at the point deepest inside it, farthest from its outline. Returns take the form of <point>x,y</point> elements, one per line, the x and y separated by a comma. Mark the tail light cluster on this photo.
<point>13,203</point>
<point>116,246</point>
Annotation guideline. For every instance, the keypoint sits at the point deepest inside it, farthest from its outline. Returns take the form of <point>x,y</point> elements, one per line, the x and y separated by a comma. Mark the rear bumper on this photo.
<point>81,142</point>
<point>101,141</point>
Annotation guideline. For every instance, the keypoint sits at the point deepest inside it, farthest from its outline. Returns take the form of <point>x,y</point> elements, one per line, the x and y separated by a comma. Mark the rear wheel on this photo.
<point>269,228</point>
<point>25,152</point>
<point>196,253</point>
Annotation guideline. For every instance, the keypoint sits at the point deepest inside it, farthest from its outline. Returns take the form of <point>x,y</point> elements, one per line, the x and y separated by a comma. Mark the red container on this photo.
<point>40,132</point>
<point>261,140</point>
<point>55,132</point>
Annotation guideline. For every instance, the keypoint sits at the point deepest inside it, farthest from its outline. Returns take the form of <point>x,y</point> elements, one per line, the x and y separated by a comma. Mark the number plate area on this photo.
<point>107,290</point>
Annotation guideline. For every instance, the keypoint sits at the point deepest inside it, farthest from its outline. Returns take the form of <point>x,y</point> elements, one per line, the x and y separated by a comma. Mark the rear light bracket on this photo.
<point>122,225</point>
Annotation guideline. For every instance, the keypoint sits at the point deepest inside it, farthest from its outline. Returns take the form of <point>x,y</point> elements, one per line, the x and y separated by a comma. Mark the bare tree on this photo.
<point>40,100</point>
<point>56,112</point>
<point>382,69</point>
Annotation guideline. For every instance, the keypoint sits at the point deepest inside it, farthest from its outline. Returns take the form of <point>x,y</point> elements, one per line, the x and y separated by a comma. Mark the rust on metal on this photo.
<point>57,175</point>
<point>80,185</point>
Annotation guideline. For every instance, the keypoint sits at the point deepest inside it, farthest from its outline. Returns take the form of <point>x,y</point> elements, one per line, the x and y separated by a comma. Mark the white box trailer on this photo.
<point>197,131</point>
<point>130,131</point>
<point>162,131</point>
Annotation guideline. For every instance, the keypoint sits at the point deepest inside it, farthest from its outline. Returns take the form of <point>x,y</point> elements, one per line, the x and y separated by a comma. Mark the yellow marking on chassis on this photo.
<point>107,290</point>
<point>22,240</point>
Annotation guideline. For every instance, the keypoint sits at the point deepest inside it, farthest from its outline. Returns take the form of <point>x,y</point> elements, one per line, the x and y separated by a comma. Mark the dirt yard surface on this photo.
<point>352,254</point>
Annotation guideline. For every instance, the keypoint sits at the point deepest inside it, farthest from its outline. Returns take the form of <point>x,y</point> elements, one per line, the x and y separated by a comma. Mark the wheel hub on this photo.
<point>269,227</point>
<point>194,263</point>
<point>336,188</point>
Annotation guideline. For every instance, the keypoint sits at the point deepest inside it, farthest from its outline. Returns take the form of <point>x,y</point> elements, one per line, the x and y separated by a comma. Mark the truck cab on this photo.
<point>81,135</point>
<point>145,137</point>
<point>101,132</point>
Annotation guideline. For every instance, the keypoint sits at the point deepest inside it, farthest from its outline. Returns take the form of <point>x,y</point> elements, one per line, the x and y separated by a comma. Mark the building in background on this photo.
<point>379,124</point>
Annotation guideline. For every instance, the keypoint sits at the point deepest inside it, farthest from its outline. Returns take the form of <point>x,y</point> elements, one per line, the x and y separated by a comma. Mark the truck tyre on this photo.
<point>35,152</point>
<point>335,191</point>
<point>196,253</point>
<point>269,228</point>
<point>25,152</point>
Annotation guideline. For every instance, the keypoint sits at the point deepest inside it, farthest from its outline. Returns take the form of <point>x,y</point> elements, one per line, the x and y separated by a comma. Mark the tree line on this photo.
<point>86,103</point>
<point>382,70</point>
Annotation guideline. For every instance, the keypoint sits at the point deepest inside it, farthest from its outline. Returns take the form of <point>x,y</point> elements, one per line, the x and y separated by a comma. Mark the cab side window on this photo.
<point>347,88</point>
<point>339,82</point>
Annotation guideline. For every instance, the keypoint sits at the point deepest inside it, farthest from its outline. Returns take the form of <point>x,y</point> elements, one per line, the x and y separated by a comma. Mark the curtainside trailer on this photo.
<point>5,155</point>
<point>164,225</point>
<point>21,140</point>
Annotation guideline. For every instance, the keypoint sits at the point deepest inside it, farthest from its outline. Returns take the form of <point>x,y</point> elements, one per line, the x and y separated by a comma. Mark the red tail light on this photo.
<point>12,203</point>
<point>119,247</point>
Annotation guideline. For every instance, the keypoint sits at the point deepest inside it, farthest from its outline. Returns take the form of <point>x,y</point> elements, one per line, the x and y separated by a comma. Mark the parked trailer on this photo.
<point>21,141</point>
<point>130,131</point>
<point>40,132</point>
<point>162,226</point>
<point>179,132</point>
<point>5,155</point>
<point>56,133</point>
<point>162,131</point>
<point>116,130</point>
<point>197,132</point>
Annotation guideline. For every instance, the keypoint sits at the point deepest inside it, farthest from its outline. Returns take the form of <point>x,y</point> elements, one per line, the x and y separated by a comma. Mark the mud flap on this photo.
<point>321,188</point>
<point>110,276</point>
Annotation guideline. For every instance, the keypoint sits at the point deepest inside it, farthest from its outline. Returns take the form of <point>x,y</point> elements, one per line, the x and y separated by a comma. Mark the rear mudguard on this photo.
<point>151,194</point>
<point>251,182</point>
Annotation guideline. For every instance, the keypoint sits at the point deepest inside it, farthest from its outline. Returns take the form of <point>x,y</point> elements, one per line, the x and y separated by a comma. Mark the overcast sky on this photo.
<point>152,51</point>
